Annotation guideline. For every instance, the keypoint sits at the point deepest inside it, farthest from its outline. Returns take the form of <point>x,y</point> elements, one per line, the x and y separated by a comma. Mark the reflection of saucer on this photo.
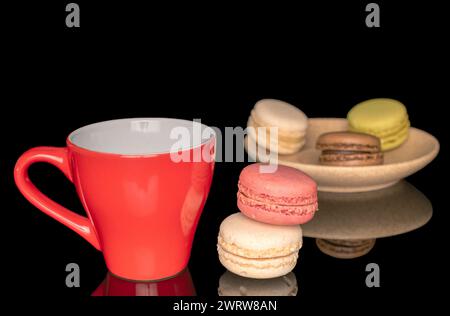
<point>387,212</point>
<point>180,285</point>
<point>367,215</point>
<point>231,284</point>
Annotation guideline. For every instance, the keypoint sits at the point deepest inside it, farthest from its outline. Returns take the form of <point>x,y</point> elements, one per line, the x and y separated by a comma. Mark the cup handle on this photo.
<point>57,156</point>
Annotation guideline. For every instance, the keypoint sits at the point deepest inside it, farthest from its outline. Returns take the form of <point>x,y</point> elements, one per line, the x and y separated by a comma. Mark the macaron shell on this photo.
<point>257,268</point>
<point>282,134</point>
<point>382,133</point>
<point>276,146</point>
<point>287,183</point>
<point>271,112</point>
<point>286,196</point>
<point>284,143</point>
<point>377,114</point>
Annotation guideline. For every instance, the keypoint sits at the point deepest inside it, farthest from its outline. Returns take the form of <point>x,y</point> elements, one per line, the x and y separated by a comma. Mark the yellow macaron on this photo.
<point>384,118</point>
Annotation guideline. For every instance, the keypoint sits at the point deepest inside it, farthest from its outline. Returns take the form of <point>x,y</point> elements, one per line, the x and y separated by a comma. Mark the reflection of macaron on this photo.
<point>385,118</point>
<point>258,250</point>
<point>231,284</point>
<point>345,249</point>
<point>286,196</point>
<point>349,149</point>
<point>290,121</point>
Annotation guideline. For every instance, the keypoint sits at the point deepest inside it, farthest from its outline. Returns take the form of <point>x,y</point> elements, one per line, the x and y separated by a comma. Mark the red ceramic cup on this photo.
<point>143,184</point>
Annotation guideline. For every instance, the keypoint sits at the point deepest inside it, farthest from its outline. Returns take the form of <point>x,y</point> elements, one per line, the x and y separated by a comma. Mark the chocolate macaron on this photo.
<point>349,149</point>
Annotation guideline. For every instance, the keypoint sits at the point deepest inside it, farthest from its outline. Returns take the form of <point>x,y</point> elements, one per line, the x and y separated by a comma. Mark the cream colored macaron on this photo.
<point>258,250</point>
<point>231,284</point>
<point>291,124</point>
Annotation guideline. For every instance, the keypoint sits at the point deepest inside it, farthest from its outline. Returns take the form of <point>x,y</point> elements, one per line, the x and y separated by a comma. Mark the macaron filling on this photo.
<point>283,135</point>
<point>300,205</point>
<point>349,155</point>
<point>258,253</point>
<point>388,141</point>
<point>385,132</point>
<point>277,208</point>
<point>287,142</point>
<point>285,200</point>
<point>258,263</point>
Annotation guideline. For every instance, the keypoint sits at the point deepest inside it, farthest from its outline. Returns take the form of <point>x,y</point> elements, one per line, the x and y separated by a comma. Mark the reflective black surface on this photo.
<point>214,61</point>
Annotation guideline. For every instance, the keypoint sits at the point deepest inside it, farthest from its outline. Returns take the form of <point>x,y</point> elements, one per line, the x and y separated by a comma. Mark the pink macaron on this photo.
<point>285,196</point>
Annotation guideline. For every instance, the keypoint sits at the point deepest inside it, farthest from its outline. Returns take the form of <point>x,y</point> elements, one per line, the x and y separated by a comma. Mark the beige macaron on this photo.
<point>289,121</point>
<point>258,250</point>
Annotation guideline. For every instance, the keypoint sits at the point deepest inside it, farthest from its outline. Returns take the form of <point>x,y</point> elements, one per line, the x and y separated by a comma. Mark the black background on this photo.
<point>213,61</point>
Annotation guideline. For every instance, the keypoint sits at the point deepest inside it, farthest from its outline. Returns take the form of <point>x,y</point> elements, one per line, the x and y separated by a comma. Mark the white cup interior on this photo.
<point>141,136</point>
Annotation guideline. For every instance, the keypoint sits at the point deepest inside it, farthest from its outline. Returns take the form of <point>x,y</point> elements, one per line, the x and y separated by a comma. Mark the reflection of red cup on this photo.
<point>142,206</point>
<point>180,285</point>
